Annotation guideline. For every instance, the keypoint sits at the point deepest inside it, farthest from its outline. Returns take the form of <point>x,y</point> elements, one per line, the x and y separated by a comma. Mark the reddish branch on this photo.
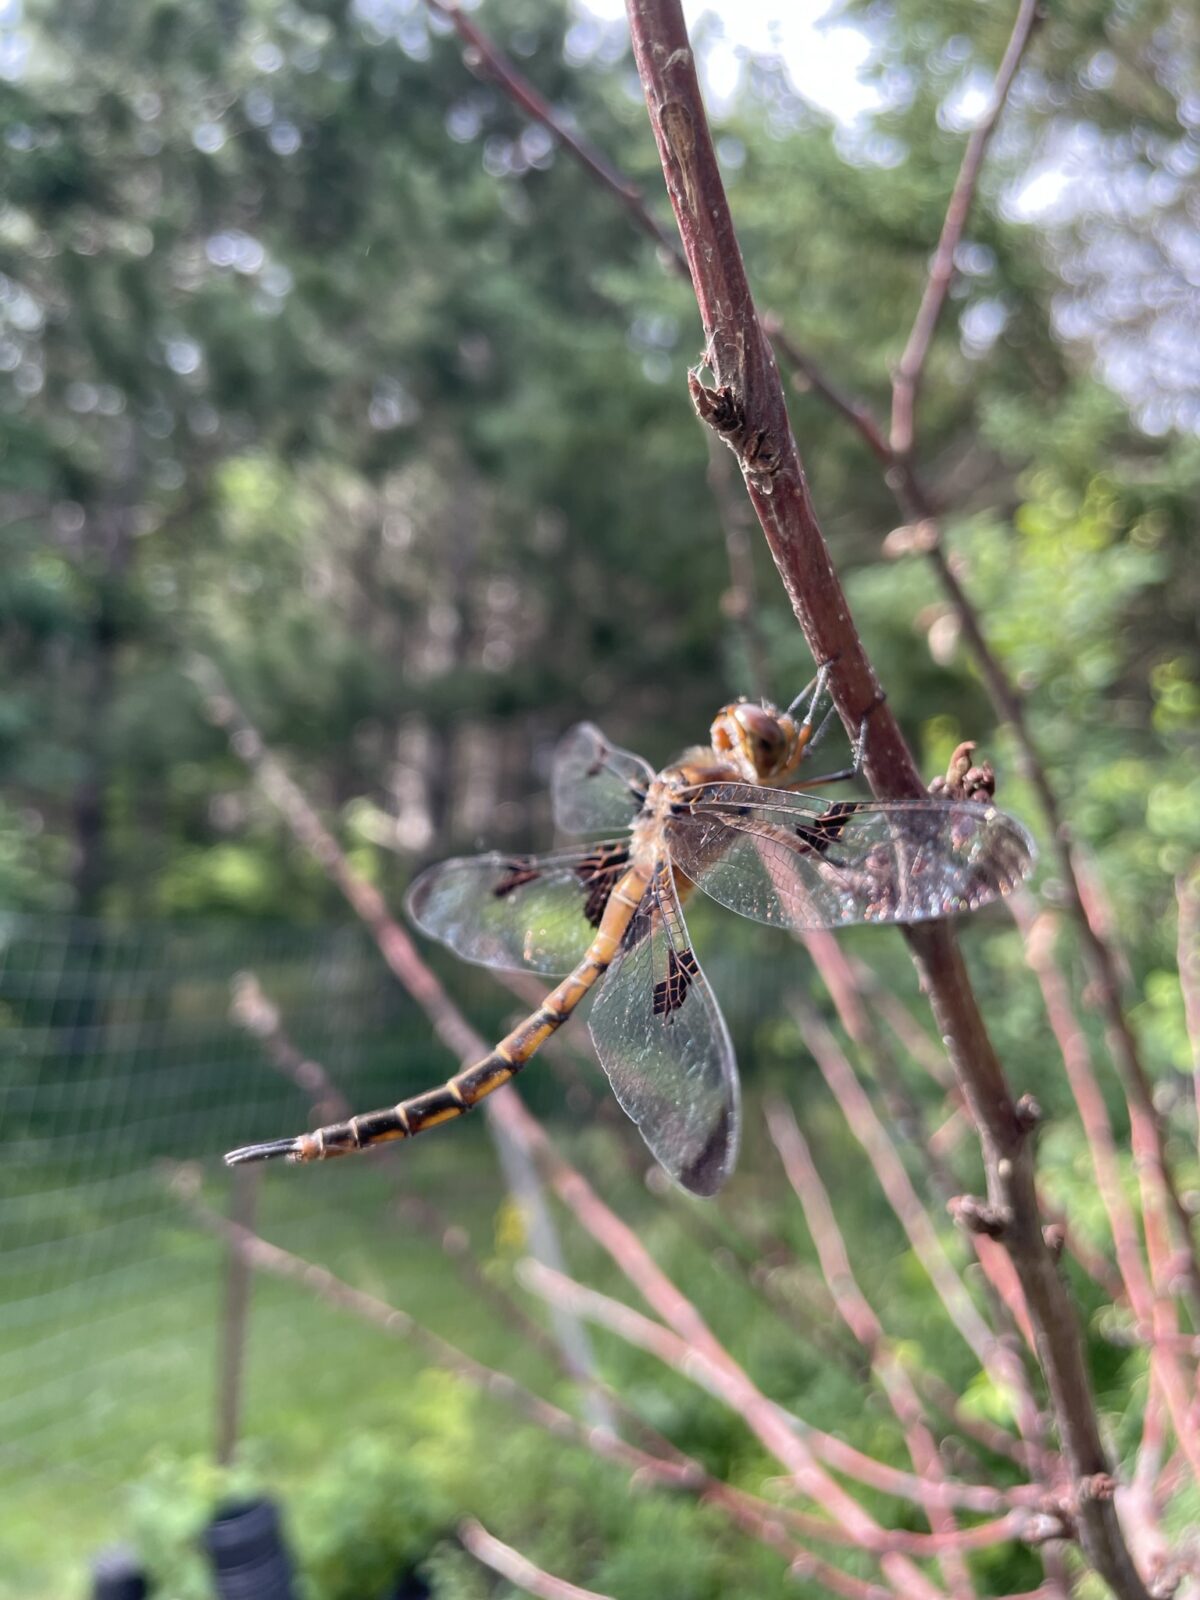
<point>1148,1300</point>
<point>1187,896</point>
<point>857,1313</point>
<point>770,1525</point>
<point>259,1016</point>
<point>516,1568</point>
<point>1026,1519</point>
<point>325,1285</point>
<point>918,1226</point>
<point>838,976</point>
<point>915,503</point>
<point>799,1447</point>
<point>941,272</point>
<point>483,55</point>
<point>745,405</point>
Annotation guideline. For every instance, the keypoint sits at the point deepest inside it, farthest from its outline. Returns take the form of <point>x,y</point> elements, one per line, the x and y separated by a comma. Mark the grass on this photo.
<point>110,1297</point>
<point>119,1370</point>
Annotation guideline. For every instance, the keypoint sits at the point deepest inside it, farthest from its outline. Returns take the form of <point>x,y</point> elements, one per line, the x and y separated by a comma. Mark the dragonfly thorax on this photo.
<point>763,744</point>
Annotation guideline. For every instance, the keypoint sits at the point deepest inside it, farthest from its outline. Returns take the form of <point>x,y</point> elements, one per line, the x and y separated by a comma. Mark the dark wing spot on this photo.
<point>517,873</point>
<point>599,872</point>
<point>826,829</point>
<point>670,994</point>
<point>601,761</point>
<point>706,1171</point>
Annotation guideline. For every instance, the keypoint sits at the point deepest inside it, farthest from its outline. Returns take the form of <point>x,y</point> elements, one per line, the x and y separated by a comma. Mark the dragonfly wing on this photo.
<point>596,786</point>
<point>797,862</point>
<point>538,913</point>
<point>663,1042</point>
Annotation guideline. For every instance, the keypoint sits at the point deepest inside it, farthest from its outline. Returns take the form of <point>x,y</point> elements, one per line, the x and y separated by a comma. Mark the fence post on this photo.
<point>232,1355</point>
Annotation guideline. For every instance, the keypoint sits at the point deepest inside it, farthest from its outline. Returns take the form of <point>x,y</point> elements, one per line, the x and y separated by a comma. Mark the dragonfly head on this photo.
<point>764,744</point>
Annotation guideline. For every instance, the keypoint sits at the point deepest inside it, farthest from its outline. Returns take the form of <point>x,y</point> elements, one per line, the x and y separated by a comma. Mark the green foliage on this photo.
<point>316,360</point>
<point>371,1511</point>
<point>169,1508</point>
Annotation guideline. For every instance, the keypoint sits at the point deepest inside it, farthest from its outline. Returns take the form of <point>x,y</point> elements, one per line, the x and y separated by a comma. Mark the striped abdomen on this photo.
<point>458,1094</point>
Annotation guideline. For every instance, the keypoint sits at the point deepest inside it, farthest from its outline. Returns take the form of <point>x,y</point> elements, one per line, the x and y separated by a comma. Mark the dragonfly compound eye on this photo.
<point>762,738</point>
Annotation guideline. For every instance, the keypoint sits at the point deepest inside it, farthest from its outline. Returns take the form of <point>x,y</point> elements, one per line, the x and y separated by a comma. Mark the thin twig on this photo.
<point>917,503</point>
<point>904,1200</point>
<point>1022,1510</point>
<point>516,1568</point>
<point>745,404</point>
<point>252,1011</point>
<point>857,1313</point>
<point>774,1526</point>
<point>837,973</point>
<point>400,955</point>
<point>924,1052</point>
<point>325,1285</point>
<point>1151,1308</point>
<point>989,1435</point>
<point>908,374</point>
<point>1187,897</point>
<point>483,54</point>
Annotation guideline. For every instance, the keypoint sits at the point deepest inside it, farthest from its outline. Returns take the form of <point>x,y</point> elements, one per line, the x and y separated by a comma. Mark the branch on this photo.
<point>838,974</point>
<point>918,1226</point>
<point>856,1312</point>
<point>258,1016</point>
<point>325,1285</point>
<point>941,272</point>
<point>400,954</point>
<point>917,503</point>
<point>1146,1124</point>
<point>484,54</point>
<point>1023,1519</point>
<point>516,1568</point>
<point>926,1054</point>
<point>1151,1308</point>
<point>1187,895</point>
<point>758,1519</point>
<point>745,405</point>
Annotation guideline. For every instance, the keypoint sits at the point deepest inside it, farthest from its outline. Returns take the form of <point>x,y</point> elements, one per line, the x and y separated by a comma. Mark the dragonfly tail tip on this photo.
<point>270,1151</point>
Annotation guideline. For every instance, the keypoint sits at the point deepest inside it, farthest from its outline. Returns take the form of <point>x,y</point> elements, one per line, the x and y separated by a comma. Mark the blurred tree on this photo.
<point>319,357</point>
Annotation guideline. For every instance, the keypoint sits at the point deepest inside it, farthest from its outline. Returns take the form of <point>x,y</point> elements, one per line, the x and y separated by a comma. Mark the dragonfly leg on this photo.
<point>857,753</point>
<point>811,694</point>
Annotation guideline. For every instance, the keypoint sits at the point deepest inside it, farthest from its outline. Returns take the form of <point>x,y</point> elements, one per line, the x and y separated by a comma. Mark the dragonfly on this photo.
<point>735,819</point>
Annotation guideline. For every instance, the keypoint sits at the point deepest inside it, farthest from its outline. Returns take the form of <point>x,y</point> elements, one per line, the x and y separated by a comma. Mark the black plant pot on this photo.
<point>410,1586</point>
<point>249,1559</point>
<point>117,1575</point>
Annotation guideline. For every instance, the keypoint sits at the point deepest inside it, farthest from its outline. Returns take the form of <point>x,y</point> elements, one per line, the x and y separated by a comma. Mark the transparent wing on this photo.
<point>663,1042</point>
<point>595,785</point>
<point>797,862</point>
<point>532,912</point>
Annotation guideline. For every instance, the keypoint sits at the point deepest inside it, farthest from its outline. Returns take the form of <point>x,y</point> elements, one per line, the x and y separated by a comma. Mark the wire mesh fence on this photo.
<point>118,1054</point>
<point>118,1057</point>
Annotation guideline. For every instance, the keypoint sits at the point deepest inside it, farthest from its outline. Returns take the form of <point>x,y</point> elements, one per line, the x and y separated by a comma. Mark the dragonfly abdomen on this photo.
<point>466,1089</point>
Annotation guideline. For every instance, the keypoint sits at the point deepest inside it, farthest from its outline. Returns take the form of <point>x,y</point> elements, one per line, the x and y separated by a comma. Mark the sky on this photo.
<point>823,58</point>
